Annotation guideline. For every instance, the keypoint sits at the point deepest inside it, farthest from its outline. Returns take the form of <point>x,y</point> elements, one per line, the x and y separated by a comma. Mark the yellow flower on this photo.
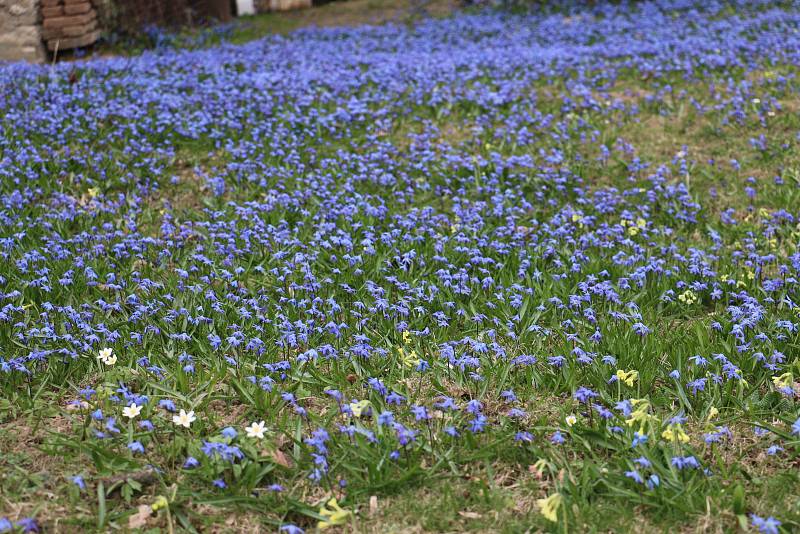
<point>641,223</point>
<point>629,377</point>
<point>132,411</point>
<point>675,433</point>
<point>540,465</point>
<point>406,336</point>
<point>783,381</point>
<point>571,420</point>
<point>409,359</point>
<point>549,506</point>
<point>633,230</point>
<point>688,297</point>
<point>358,408</point>
<point>713,412</point>
<point>159,503</point>
<point>641,415</point>
<point>334,515</point>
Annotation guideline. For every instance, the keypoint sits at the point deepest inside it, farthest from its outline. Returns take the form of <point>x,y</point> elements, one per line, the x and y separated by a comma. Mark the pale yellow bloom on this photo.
<point>358,408</point>
<point>334,515</point>
<point>688,297</point>
<point>783,381</point>
<point>159,503</point>
<point>410,358</point>
<point>675,433</point>
<point>641,414</point>
<point>549,506</point>
<point>629,377</point>
<point>406,336</point>
<point>571,420</point>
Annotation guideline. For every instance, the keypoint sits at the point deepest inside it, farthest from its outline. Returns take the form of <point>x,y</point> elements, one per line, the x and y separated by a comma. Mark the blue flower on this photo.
<point>767,526</point>
<point>78,481</point>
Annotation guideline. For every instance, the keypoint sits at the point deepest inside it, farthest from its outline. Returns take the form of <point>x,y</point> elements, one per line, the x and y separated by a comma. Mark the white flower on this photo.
<point>184,419</point>
<point>256,430</point>
<point>571,420</point>
<point>107,356</point>
<point>132,411</point>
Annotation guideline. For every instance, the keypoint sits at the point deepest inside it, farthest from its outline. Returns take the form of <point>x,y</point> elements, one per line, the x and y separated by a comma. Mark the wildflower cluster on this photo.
<point>298,272</point>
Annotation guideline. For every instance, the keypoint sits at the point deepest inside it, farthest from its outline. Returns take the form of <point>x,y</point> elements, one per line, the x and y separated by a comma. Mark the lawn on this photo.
<point>473,270</point>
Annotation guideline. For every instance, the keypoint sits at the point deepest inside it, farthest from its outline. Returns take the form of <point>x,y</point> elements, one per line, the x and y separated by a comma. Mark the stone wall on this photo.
<point>20,31</point>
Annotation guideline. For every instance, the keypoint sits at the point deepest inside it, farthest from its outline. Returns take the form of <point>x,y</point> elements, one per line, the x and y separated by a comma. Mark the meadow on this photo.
<point>489,272</point>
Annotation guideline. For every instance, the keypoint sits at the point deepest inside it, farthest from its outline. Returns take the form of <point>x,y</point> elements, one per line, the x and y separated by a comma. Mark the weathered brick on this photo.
<point>52,11</point>
<point>50,3</point>
<point>74,42</point>
<point>68,31</point>
<point>77,31</point>
<point>75,20</point>
<point>77,9</point>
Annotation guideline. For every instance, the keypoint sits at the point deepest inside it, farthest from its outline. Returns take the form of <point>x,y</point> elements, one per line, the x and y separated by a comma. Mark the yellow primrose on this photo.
<point>334,515</point>
<point>675,433</point>
<point>629,377</point>
<point>549,506</point>
<point>406,336</point>
<point>159,503</point>
<point>688,297</point>
<point>633,230</point>
<point>641,415</point>
<point>358,408</point>
<point>783,381</point>
<point>641,223</point>
<point>410,358</point>
<point>541,464</point>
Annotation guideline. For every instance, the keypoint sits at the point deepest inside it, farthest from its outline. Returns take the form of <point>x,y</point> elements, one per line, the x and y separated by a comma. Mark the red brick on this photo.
<point>77,31</point>
<point>50,3</point>
<point>75,20</point>
<point>74,42</point>
<point>68,2</point>
<point>77,9</point>
<point>53,11</point>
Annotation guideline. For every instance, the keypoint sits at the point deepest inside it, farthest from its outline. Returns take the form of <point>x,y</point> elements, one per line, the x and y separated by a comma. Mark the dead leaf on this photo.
<point>373,505</point>
<point>280,458</point>
<point>139,519</point>
<point>470,515</point>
